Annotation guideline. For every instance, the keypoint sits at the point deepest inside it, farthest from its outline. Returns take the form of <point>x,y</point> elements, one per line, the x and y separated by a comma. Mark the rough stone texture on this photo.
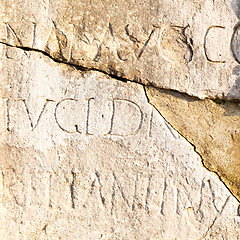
<point>86,149</point>
<point>190,46</point>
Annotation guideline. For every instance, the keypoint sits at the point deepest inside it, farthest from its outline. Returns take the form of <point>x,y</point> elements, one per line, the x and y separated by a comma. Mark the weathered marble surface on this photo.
<point>190,46</point>
<point>84,156</point>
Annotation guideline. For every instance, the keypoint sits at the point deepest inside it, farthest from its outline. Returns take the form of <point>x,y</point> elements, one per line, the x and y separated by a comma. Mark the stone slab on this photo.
<point>85,156</point>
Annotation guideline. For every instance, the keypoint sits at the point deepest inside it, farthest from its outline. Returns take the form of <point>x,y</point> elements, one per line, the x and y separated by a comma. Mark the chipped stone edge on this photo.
<point>193,146</point>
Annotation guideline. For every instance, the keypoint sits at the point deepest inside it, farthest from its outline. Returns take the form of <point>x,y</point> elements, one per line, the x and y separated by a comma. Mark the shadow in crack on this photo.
<point>232,106</point>
<point>234,92</point>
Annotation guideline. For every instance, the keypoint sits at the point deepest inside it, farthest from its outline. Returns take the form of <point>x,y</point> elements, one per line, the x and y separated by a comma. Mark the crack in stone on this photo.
<point>182,95</point>
<point>78,67</point>
<point>218,100</point>
<point>194,147</point>
<point>173,92</point>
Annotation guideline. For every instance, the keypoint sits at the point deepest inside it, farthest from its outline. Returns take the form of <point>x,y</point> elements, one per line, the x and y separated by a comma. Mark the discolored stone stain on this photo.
<point>236,7</point>
<point>213,128</point>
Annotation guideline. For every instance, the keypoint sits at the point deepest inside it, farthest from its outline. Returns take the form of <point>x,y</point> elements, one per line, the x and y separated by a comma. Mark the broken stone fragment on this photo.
<point>213,127</point>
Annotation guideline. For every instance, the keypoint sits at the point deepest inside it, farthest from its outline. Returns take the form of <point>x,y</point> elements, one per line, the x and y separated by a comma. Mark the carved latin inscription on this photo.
<point>214,43</point>
<point>20,116</point>
<point>148,192</point>
<point>3,115</point>
<point>235,43</point>
<point>99,116</point>
<point>69,115</point>
<point>123,111</point>
<point>119,117</point>
<point>175,43</point>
